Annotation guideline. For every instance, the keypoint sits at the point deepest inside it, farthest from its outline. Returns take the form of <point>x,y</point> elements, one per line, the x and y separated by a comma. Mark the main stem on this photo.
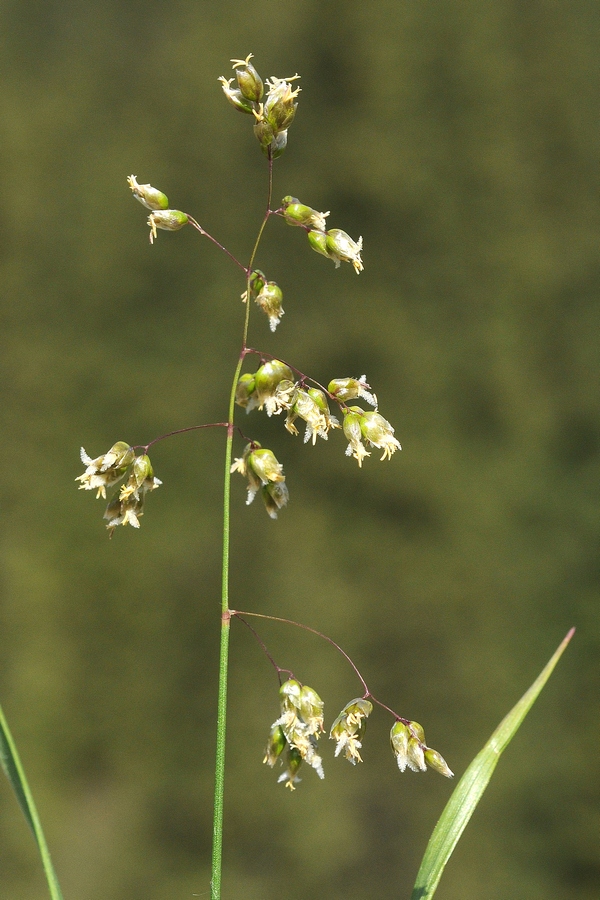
<point>217,850</point>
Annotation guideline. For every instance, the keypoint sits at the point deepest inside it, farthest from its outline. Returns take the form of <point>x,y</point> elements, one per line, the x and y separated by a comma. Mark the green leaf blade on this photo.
<point>11,764</point>
<point>473,783</point>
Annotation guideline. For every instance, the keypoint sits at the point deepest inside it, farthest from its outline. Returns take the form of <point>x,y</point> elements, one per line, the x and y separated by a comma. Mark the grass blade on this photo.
<point>9,759</point>
<point>473,783</point>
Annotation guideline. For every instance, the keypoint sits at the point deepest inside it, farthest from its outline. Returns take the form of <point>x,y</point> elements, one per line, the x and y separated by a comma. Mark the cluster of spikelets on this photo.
<point>161,216</point>
<point>267,295</point>
<point>273,109</point>
<point>107,470</point>
<point>264,474</point>
<point>273,388</point>
<point>298,728</point>
<point>333,243</point>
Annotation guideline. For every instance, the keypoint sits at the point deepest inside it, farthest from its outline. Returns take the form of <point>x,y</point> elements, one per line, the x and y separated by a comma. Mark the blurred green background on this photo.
<point>460,139</point>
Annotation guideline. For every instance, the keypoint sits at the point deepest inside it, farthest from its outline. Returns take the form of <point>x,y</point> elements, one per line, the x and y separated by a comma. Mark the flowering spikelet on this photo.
<point>379,433</point>
<point>409,748</point>
<point>349,728</point>
<point>370,425</point>
<point>105,470</point>
<point>310,405</point>
<point>297,728</point>
<point>345,389</point>
<point>262,470</point>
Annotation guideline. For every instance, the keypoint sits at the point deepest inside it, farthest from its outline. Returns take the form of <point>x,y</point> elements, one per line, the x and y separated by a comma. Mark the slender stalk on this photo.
<point>146,447</point>
<point>239,614</point>
<point>217,851</point>
<point>204,233</point>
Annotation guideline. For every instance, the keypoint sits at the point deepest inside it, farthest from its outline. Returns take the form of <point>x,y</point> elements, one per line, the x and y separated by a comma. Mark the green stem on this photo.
<point>217,850</point>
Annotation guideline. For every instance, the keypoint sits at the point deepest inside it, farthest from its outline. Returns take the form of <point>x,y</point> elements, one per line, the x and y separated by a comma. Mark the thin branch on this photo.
<point>238,613</point>
<point>204,233</point>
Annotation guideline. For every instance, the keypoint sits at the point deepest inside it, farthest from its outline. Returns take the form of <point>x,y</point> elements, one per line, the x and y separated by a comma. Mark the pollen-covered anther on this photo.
<point>140,481</point>
<point>279,107</point>
<point>327,421</point>
<point>128,507</point>
<point>283,398</point>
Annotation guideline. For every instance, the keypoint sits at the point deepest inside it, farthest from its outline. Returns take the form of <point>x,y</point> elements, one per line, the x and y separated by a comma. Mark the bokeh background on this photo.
<point>460,138</point>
